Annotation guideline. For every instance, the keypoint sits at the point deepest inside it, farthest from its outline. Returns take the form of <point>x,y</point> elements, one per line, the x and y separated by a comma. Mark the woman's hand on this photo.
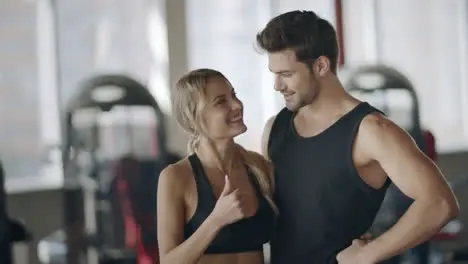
<point>230,207</point>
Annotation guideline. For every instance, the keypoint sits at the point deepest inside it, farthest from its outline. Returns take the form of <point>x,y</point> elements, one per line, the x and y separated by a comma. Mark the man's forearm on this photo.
<point>418,224</point>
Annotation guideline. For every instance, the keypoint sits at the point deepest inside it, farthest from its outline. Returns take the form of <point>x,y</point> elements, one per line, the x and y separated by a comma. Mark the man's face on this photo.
<point>293,79</point>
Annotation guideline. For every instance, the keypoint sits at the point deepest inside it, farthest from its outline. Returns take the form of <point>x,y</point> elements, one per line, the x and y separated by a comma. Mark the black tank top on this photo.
<point>323,203</point>
<point>248,234</point>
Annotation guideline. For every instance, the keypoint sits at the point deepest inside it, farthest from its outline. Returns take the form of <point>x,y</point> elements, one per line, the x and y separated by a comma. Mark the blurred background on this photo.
<point>48,48</point>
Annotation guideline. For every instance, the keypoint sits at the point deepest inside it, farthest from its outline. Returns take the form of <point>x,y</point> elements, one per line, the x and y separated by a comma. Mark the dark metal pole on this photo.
<point>340,31</point>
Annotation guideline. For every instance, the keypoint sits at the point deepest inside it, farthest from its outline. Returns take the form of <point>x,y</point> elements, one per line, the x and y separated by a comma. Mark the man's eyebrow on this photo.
<point>281,72</point>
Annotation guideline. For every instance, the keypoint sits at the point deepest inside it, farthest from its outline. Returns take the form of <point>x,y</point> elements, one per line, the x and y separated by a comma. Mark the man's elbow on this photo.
<point>454,206</point>
<point>164,258</point>
<point>448,207</point>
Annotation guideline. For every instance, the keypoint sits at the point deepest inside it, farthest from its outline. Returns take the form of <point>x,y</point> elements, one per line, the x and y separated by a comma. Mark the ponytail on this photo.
<point>193,143</point>
<point>263,172</point>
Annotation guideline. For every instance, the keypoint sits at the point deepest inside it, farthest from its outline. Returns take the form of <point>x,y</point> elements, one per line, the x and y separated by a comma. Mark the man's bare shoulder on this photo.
<point>376,125</point>
<point>268,126</point>
<point>266,135</point>
<point>378,136</point>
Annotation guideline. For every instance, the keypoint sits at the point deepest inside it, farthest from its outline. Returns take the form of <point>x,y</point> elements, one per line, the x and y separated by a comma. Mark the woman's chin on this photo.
<point>239,130</point>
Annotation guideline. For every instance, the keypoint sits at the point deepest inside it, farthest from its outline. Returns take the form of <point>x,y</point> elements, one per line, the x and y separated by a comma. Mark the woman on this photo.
<point>214,206</point>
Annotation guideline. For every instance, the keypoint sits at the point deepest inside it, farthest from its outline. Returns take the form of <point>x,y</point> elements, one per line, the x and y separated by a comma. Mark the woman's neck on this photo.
<point>219,154</point>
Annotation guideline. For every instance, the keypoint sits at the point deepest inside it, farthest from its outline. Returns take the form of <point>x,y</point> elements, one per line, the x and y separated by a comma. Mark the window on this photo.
<point>113,37</point>
<point>427,41</point>
<point>52,57</point>
<point>222,37</point>
<point>20,139</point>
<point>323,8</point>
<point>118,37</point>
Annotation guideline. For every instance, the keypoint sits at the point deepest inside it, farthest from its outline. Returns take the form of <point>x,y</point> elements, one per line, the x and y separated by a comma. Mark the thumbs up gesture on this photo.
<point>230,205</point>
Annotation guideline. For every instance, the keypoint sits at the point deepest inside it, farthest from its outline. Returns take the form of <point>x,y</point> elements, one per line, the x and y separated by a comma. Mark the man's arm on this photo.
<point>417,177</point>
<point>266,136</point>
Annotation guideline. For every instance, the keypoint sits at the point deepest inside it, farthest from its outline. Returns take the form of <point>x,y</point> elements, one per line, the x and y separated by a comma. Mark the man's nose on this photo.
<point>278,84</point>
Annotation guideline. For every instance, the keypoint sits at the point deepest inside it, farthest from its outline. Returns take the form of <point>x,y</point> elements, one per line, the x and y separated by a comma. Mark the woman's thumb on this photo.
<point>227,186</point>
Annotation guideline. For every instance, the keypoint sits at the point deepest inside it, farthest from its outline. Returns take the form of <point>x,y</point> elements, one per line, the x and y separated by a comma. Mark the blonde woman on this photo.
<point>215,206</point>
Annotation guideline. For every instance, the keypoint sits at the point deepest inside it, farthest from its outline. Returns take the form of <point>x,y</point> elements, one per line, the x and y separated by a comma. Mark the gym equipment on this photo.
<point>114,150</point>
<point>5,251</point>
<point>449,233</point>
<point>11,230</point>
<point>52,248</point>
<point>390,91</point>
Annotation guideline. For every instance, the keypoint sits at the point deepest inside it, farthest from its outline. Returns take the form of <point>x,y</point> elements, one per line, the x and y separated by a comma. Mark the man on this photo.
<point>332,154</point>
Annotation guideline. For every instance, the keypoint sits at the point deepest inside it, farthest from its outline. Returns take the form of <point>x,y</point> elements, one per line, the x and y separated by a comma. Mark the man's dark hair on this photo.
<point>308,35</point>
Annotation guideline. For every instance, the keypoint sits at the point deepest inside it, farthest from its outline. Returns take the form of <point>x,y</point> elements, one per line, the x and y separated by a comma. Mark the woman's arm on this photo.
<point>171,219</point>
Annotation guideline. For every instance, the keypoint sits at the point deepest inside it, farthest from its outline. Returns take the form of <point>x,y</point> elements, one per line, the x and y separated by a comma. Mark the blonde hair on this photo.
<point>188,93</point>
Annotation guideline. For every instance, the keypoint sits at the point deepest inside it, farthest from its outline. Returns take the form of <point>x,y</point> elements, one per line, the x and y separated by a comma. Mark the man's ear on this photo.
<point>321,66</point>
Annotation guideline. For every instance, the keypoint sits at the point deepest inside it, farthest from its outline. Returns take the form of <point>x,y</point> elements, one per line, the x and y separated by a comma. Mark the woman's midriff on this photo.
<point>235,258</point>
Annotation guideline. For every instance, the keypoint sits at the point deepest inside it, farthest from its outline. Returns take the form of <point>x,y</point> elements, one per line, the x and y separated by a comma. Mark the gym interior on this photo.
<point>409,58</point>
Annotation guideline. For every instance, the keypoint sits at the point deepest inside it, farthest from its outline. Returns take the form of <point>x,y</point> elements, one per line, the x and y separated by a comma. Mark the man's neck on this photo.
<point>329,100</point>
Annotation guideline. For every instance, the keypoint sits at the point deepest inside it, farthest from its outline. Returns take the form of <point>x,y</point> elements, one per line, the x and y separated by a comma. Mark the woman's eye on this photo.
<point>221,101</point>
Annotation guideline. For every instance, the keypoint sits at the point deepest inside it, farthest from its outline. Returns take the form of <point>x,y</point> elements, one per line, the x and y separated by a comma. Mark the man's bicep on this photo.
<point>170,211</point>
<point>266,136</point>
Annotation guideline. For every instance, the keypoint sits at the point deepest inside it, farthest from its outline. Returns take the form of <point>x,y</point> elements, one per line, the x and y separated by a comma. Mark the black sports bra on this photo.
<point>248,234</point>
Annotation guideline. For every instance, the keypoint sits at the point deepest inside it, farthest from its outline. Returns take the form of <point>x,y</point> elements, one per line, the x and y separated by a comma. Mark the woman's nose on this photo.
<point>236,104</point>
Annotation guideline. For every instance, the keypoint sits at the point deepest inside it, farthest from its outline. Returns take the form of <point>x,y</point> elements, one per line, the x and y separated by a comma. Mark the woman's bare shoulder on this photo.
<point>176,176</point>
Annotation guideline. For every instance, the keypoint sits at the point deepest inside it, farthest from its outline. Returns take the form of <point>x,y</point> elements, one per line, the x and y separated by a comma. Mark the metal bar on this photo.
<point>340,32</point>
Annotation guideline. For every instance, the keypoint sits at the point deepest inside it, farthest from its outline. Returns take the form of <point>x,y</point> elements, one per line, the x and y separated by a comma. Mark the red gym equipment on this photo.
<point>115,148</point>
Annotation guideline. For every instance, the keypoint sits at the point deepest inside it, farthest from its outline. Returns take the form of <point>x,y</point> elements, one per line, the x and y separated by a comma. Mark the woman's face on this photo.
<point>223,111</point>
